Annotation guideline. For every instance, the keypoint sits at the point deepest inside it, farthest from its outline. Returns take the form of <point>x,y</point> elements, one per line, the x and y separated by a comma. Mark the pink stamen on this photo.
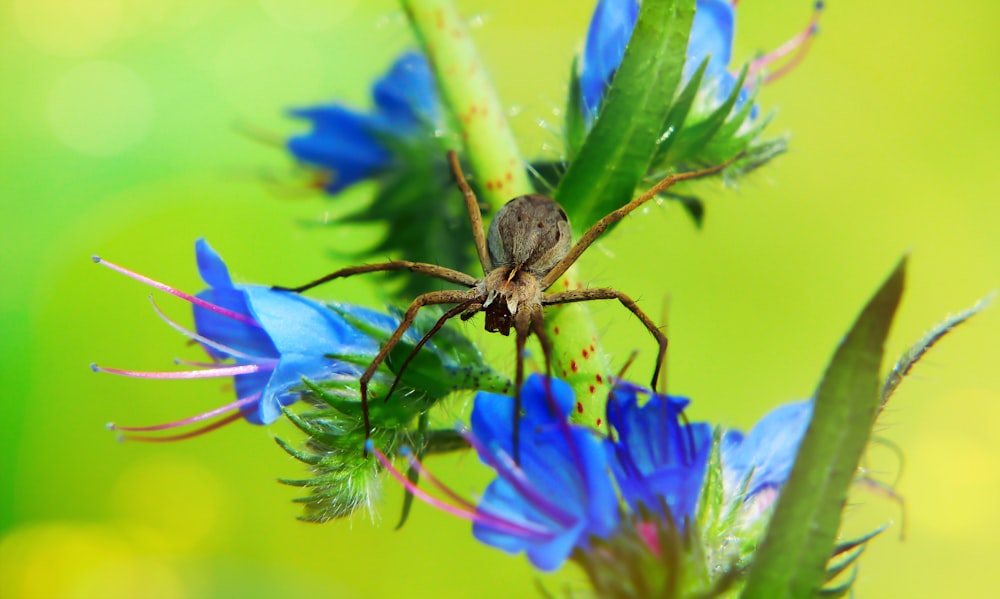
<point>508,469</point>
<point>195,433</point>
<point>201,339</point>
<point>426,474</point>
<point>495,522</point>
<point>207,373</point>
<point>176,292</point>
<point>799,44</point>
<point>239,404</point>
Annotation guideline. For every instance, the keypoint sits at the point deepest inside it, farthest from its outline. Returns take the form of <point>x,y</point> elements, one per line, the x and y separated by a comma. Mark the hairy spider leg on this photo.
<point>472,304</point>
<point>585,295</point>
<point>421,268</point>
<point>475,218</point>
<point>600,226</point>
<point>427,299</point>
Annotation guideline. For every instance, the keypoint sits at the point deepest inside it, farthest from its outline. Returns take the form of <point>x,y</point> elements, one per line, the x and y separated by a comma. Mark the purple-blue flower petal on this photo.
<point>566,465</point>
<point>769,449</point>
<point>608,35</point>
<point>341,141</point>
<point>406,97</point>
<point>711,36</point>
<point>655,458</point>
<point>354,145</point>
<point>293,339</point>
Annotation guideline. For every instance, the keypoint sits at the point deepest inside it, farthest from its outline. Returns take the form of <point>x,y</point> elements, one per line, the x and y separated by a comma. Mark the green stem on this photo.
<point>470,97</point>
<point>492,151</point>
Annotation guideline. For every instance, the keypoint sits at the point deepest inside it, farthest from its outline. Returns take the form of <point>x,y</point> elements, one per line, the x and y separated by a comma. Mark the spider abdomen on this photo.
<point>531,233</point>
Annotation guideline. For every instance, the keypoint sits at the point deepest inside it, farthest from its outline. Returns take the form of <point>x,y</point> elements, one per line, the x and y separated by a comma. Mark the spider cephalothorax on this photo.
<point>527,238</point>
<point>529,247</point>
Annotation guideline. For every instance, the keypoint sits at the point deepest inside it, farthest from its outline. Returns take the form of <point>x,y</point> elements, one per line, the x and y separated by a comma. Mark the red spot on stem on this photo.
<point>579,407</point>
<point>573,366</point>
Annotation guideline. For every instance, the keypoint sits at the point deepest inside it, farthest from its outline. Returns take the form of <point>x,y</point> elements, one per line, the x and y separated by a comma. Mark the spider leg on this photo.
<point>427,299</point>
<point>585,295</point>
<point>600,226</point>
<point>421,268</point>
<point>522,328</point>
<point>475,217</point>
<point>470,304</point>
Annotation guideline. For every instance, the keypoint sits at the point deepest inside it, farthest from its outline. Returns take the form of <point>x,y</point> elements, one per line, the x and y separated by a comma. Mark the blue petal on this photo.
<point>343,142</point>
<point>406,96</point>
<point>608,35</point>
<point>212,269</point>
<point>581,489</point>
<point>566,465</point>
<point>299,325</point>
<point>711,35</point>
<point>769,449</point>
<point>493,414</point>
<point>656,458</point>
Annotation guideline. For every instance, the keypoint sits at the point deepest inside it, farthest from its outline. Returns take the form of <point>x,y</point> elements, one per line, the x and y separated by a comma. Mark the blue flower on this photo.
<point>711,37</point>
<point>351,146</point>
<point>656,459</point>
<point>266,340</point>
<point>560,488</point>
<point>765,454</point>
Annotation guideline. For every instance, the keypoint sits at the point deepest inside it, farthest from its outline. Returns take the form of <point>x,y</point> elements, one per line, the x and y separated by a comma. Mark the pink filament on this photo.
<point>222,371</point>
<point>201,339</point>
<point>798,44</point>
<point>508,469</point>
<point>185,296</point>
<point>239,404</point>
<point>490,520</point>
<point>424,472</point>
<point>188,435</point>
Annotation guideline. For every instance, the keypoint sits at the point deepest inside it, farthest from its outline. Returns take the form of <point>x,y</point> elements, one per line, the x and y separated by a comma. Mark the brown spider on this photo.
<point>528,248</point>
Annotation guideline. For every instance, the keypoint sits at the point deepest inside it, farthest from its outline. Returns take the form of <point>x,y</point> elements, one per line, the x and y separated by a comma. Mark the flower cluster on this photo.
<point>575,493</point>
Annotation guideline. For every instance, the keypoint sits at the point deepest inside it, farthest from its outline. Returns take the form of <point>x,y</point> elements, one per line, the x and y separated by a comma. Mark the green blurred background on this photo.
<point>119,129</point>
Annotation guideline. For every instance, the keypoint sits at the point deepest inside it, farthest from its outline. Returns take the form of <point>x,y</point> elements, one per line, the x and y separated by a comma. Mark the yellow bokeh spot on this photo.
<point>68,27</point>
<point>100,108</point>
<point>308,15</point>
<point>952,482</point>
<point>170,505</point>
<point>78,561</point>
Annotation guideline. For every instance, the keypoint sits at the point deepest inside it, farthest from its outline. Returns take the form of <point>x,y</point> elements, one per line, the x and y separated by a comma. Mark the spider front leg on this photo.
<point>600,226</point>
<point>420,268</point>
<point>585,295</point>
<point>427,299</point>
<point>475,218</point>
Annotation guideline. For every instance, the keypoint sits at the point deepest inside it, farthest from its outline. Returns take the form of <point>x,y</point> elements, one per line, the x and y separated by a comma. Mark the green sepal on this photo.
<point>448,362</point>
<point>678,114</point>
<point>617,152</point>
<point>792,560</point>
<point>693,137</point>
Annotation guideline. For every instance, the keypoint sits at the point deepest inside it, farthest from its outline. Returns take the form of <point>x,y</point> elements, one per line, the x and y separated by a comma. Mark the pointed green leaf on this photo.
<point>791,562</point>
<point>576,126</point>
<point>616,154</point>
<point>910,358</point>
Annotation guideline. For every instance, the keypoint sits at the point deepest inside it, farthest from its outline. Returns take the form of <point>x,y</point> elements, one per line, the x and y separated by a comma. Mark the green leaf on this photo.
<point>792,560</point>
<point>913,355</point>
<point>616,154</point>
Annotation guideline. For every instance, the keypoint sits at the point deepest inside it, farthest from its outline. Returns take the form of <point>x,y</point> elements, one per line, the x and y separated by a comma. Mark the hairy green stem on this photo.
<point>492,151</point>
<point>470,97</point>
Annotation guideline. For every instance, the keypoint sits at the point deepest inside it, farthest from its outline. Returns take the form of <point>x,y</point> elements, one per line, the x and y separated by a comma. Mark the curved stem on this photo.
<point>471,99</point>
